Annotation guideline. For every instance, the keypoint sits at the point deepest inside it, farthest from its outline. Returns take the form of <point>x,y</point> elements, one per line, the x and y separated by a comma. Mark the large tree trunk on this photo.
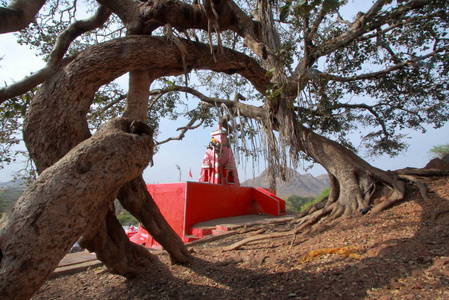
<point>55,124</point>
<point>353,180</point>
<point>113,248</point>
<point>68,199</point>
<point>66,95</point>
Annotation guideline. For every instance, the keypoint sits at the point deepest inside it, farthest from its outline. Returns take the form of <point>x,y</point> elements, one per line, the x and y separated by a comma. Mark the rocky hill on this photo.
<point>296,184</point>
<point>17,184</point>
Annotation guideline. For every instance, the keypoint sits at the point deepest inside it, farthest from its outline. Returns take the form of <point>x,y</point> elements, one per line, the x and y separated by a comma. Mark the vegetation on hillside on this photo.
<point>8,197</point>
<point>124,217</point>
<point>298,204</point>
<point>439,151</point>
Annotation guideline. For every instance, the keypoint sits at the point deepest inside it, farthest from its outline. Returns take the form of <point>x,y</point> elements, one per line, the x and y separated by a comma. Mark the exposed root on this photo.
<point>396,196</point>
<point>252,239</point>
<point>348,251</point>
<point>421,172</point>
<point>421,185</point>
<point>354,197</point>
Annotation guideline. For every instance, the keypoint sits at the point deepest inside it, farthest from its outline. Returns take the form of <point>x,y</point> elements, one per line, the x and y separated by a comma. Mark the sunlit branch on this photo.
<point>317,22</point>
<point>341,20</point>
<point>365,23</point>
<point>396,25</point>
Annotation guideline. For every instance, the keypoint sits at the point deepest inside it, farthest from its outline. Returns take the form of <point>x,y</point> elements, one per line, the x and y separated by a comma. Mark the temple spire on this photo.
<point>218,164</point>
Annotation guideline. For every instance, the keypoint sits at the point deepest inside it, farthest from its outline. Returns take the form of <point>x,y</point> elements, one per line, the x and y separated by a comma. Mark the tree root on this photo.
<point>421,185</point>
<point>116,251</point>
<point>420,172</point>
<point>136,199</point>
<point>436,215</point>
<point>252,239</point>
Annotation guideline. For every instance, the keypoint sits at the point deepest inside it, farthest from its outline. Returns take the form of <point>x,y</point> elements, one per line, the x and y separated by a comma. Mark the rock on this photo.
<point>437,163</point>
<point>446,158</point>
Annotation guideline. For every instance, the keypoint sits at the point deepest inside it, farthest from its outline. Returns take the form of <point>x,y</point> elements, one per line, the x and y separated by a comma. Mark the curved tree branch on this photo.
<point>19,14</point>
<point>400,23</point>
<point>368,108</point>
<point>364,23</point>
<point>189,126</point>
<point>62,44</point>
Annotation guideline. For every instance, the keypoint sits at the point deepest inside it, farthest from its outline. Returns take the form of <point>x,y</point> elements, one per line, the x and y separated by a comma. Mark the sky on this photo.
<point>19,61</point>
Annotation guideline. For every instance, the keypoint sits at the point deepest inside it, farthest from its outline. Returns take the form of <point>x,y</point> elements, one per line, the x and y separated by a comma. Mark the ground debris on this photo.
<point>404,255</point>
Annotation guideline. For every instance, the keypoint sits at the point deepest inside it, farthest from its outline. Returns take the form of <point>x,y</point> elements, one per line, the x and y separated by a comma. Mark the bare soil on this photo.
<point>402,253</point>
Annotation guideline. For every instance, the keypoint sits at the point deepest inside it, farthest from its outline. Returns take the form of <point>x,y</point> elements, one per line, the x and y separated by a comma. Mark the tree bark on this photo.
<point>353,180</point>
<point>67,93</point>
<point>136,199</point>
<point>139,91</point>
<point>19,14</point>
<point>114,249</point>
<point>68,199</point>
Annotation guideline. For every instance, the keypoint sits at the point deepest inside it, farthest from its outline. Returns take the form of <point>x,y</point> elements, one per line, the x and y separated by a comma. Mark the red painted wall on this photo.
<point>187,203</point>
<point>269,202</point>
<point>206,201</point>
<point>170,198</point>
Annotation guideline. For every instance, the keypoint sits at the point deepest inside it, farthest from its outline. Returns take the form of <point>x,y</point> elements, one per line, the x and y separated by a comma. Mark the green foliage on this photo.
<point>439,151</point>
<point>312,52</point>
<point>12,113</point>
<point>303,7</point>
<point>125,218</point>
<point>8,197</point>
<point>295,202</point>
<point>320,197</point>
<point>298,204</point>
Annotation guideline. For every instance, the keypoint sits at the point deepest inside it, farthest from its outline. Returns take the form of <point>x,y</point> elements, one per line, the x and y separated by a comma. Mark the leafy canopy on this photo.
<point>373,72</point>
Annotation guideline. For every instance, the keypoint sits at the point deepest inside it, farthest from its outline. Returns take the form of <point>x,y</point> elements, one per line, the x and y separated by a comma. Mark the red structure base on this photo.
<point>185,204</point>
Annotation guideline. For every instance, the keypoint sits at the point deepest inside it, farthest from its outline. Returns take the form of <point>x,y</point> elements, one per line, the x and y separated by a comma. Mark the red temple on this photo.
<point>218,194</point>
<point>218,164</point>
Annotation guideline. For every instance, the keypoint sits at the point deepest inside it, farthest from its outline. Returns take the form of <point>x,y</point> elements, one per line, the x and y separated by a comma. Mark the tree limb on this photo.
<point>184,129</point>
<point>17,15</point>
<point>69,198</point>
<point>62,44</point>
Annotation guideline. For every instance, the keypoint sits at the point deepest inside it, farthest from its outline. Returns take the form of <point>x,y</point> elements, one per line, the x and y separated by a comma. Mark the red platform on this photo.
<point>185,204</point>
<point>217,195</point>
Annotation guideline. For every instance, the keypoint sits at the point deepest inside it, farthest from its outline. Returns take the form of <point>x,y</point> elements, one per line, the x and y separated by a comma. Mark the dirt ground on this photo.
<point>402,253</point>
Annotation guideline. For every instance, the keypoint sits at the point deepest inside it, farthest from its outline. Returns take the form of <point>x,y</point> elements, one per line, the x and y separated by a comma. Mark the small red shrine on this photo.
<point>218,194</point>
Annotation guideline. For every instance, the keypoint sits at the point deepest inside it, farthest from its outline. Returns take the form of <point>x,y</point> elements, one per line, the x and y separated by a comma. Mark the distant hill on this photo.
<point>8,197</point>
<point>18,184</point>
<point>9,193</point>
<point>296,184</point>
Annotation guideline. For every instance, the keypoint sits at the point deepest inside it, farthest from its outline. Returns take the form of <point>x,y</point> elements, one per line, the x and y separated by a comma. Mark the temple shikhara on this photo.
<point>218,164</point>
<point>218,194</point>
